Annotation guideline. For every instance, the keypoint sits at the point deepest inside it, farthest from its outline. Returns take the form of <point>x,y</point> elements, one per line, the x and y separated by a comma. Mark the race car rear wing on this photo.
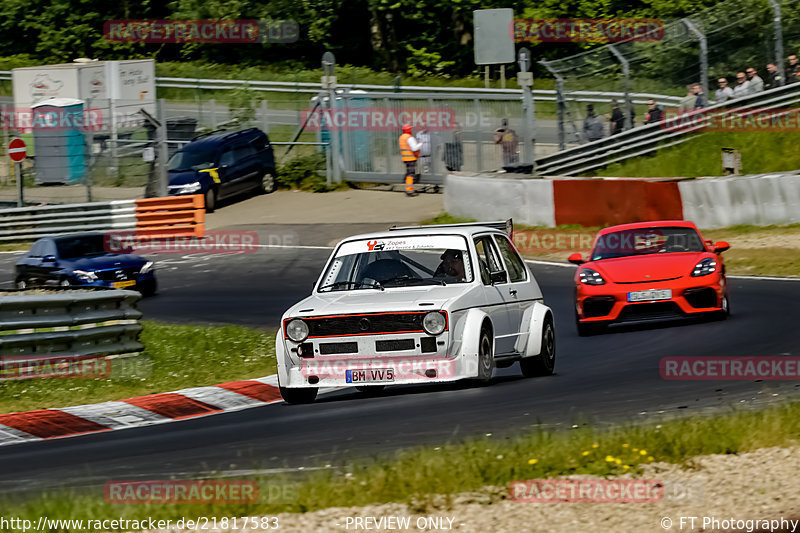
<point>502,225</point>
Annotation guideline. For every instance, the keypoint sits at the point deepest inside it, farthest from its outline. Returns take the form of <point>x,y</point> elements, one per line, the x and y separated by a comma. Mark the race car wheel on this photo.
<point>726,308</point>
<point>64,283</point>
<point>295,396</point>
<point>544,363</point>
<point>211,200</point>
<point>485,358</point>
<point>22,284</point>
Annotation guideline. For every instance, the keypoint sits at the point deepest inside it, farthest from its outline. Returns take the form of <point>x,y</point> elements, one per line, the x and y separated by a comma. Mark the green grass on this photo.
<point>701,156</point>
<point>181,356</point>
<point>423,477</point>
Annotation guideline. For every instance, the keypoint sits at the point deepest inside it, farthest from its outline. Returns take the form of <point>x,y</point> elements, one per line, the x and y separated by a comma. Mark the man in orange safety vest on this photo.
<point>409,151</point>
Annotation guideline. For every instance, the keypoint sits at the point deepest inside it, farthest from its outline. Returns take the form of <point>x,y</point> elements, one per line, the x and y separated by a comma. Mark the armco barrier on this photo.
<point>708,202</point>
<point>69,324</point>
<point>172,216</point>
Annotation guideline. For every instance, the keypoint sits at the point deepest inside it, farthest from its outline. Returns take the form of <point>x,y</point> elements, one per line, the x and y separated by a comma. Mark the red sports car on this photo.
<point>649,271</point>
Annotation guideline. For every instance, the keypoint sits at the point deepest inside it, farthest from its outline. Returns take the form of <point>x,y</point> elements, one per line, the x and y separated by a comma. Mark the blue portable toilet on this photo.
<point>59,140</point>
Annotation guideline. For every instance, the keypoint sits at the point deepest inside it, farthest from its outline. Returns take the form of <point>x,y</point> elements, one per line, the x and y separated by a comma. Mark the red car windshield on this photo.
<point>644,241</point>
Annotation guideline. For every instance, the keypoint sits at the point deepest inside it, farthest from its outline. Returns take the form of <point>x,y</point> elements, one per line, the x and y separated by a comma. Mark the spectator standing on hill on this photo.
<point>774,78</point>
<point>756,83</point>
<point>654,113</point>
<point>793,69</point>
<point>617,118</point>
<point>592,125</point>
<point>724,93</point>
<point>688,101</point>
<point>742,85</point>
<point>700,97</point>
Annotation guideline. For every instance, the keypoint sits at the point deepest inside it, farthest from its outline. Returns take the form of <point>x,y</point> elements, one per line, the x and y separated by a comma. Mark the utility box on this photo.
<point>112,91</point>
<point>60,143</point>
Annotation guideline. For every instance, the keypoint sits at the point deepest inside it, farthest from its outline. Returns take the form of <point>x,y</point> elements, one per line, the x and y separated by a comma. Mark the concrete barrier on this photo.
<point>527,201</point>
<point>709,202</point>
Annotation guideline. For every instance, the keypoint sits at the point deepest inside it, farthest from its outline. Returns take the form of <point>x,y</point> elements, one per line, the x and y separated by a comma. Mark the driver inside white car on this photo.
<point>452,266</point>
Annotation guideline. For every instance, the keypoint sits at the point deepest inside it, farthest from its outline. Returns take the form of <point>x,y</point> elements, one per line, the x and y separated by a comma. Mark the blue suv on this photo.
<point>222,165</point>
<point>83,260</point>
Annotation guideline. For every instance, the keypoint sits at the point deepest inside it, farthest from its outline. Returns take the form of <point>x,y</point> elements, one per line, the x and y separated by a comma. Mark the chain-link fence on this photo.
<point>718,42</point>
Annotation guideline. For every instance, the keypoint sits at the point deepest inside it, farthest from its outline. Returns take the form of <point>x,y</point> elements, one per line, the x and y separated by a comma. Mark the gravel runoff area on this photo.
<point>757,486</point>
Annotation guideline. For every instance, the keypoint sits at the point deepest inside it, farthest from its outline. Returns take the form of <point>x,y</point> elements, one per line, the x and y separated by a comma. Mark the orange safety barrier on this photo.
<point>171,216</point>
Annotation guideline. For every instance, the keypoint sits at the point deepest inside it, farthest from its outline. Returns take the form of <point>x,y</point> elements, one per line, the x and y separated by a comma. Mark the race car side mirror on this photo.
<point>576,258</point>
<point>721,246</point>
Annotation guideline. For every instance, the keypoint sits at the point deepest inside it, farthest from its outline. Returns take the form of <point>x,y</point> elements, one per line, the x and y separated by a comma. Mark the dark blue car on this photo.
<point>83,260</point>
<point>223,165</point>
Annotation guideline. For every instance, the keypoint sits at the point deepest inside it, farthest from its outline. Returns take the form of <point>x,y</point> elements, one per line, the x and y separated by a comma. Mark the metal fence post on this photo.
<point>213,105</point>
<point>560,104</point>
<point>626,85</point>
<point>389,144</point>
<point>163,151</point>
<point>776,20</point>
<point>264,117</point>
<point>478,144</point>
<point>703,56</point>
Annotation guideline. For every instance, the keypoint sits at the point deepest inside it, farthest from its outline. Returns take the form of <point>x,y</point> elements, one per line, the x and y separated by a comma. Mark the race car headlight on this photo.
<point>297,330</point>
<point>85,275</point>
<point>704,267</point>
<point>189,188</point>
<point>147,267</point>
<point>591,277</point>
<point>434,323</point>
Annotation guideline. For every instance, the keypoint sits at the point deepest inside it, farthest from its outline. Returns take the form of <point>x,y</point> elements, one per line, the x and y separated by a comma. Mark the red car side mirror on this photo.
<point>576,258</point>
<point>721,246</point>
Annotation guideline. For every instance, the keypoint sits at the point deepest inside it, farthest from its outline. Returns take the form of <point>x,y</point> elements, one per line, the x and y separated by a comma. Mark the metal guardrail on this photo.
<point>543,95</point>
<point>31,223</point>
<point>68,326</point>
<point>171,216</point>
<point>649,138</point>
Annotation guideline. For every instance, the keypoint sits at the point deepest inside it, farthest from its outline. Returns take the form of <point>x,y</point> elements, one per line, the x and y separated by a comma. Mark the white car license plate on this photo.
<point>372,375</point>
<point>649,295</point>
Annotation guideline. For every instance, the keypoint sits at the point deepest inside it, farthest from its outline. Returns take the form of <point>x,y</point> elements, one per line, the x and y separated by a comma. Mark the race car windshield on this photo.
<point>401,262</point>
<point>646,241</point>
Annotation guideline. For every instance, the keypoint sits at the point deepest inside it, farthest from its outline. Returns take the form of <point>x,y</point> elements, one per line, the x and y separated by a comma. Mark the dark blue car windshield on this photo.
<point>73,247</point>
<point>191,160</point>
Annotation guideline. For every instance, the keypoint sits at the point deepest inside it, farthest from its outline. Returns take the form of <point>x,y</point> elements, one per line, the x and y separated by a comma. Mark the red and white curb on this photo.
<point>43,424</point>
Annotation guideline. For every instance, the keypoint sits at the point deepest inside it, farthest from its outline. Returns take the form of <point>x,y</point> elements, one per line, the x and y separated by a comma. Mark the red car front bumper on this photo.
<point>691,296</point>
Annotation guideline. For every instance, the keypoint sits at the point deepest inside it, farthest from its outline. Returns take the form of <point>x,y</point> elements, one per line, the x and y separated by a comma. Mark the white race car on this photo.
<point>416,305</point>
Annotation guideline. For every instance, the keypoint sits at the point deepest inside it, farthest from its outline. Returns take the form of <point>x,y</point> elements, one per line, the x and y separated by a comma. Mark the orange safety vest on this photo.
<point>405,150</point>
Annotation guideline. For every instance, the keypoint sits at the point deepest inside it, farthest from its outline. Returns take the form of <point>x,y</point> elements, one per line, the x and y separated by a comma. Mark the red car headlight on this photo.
<point>705,267</point>
<point>590,277</point>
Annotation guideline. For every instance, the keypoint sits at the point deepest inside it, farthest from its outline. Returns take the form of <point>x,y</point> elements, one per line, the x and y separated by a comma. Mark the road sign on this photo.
<point>494,39</point>
<point>17,150</point>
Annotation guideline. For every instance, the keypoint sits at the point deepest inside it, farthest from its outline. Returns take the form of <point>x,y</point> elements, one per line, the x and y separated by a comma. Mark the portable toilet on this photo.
<point>58,135</point>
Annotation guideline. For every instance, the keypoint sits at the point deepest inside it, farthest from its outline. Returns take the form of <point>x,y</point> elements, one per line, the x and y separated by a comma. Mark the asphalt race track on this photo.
<point>601,379</point>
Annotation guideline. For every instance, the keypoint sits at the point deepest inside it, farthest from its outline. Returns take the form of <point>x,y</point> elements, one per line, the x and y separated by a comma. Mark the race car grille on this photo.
<point>704,297</point>
<point>598,306</point>
<point>330,348</point>
<point>651,311</point>
<point>117,274</point>
<point>394,345</point>
<point>365,324</point>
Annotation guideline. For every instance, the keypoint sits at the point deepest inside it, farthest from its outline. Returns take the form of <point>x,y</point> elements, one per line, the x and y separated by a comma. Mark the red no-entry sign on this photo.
<point>17,150</point>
